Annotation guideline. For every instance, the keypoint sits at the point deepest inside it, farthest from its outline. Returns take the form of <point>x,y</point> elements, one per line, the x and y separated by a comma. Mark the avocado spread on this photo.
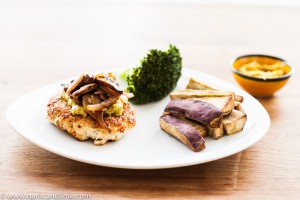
<point>75,109</point>
<point>115,109</point>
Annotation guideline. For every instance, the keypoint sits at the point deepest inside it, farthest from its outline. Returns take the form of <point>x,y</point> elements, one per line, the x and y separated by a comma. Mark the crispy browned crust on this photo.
<point>84,128</point>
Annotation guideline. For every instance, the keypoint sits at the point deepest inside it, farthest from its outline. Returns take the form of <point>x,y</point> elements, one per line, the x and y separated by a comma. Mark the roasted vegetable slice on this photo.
<point>215,133</point>
<point>197,85</point>
<point>189,93</point>
<point>225,104</point>
<point>184,132</point>
<point>234,122</point>
<point>199,111</point>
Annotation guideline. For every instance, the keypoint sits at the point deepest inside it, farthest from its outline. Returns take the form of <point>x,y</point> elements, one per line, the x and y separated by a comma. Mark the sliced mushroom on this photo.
<point>84,79</point>
<point>105,89</point>
<point>103,105</point>
<point>111,91</point>
<point>109,85</point>
<point>100,92</point>
<point>74,84</point>
<point>103,96</point>
<point>87,79</point>
<point>91,99</point>
<point>83,90</point>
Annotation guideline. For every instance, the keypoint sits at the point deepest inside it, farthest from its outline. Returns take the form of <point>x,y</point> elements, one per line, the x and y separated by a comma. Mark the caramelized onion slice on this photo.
<point>123,99</point>
<point>98,116</point>
<point>128,95</point>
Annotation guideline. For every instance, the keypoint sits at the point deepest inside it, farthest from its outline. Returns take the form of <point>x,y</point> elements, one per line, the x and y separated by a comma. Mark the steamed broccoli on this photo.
<point>156,76</point>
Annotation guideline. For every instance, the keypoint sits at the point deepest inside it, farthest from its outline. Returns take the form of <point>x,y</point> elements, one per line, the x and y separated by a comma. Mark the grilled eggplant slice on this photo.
<point>200,111</point>
<point>199,127</point>
<point>225,104</point>
<point>184,132</point>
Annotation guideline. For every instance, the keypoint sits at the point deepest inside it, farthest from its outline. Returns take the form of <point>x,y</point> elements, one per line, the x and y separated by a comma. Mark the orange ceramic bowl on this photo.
<point>257,86</point>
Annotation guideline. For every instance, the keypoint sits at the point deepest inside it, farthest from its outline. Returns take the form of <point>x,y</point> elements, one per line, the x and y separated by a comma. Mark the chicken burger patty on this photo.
<point>100,112</point>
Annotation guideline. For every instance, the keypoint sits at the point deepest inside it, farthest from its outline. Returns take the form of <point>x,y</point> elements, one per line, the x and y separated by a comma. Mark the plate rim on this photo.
<point>187,162</point>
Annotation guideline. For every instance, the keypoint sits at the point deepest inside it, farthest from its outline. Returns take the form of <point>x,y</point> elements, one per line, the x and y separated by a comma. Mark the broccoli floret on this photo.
<point>156,76</point>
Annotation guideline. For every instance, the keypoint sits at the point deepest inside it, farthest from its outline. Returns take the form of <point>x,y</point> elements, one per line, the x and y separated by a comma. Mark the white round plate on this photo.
<point>146,146</point>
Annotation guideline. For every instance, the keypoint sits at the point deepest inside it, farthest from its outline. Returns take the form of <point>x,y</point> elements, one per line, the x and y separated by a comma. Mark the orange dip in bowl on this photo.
<point>261,75</point>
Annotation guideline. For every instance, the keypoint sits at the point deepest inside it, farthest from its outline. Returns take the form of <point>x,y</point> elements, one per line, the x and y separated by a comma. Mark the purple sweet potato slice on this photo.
<point>200,111</point>
<point>184,132</point>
